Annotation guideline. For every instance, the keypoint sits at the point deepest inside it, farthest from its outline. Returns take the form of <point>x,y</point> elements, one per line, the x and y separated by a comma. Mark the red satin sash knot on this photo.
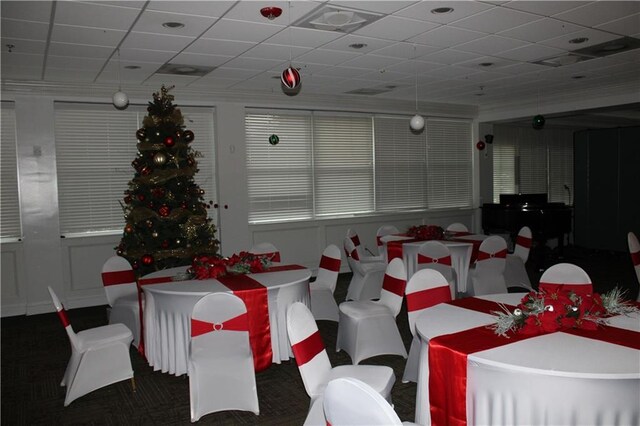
<point>238,323</point>
<point>445,260</point>
<point>423,299</point>
<point>330,264</point>
<point>482,255</point>
<point>307,349</point>
<point>118,277</point>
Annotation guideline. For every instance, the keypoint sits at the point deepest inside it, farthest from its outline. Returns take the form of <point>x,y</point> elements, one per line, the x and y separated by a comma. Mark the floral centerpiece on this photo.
<point>426,232</point>
<point>562,308</point>
<point>204,267</point>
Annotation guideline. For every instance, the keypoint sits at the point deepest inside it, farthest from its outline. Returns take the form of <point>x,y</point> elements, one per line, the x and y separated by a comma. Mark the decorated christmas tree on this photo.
<point>166,216</point>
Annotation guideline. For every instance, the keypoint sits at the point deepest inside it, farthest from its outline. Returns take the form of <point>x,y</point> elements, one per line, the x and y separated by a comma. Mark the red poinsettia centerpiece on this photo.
<point>559,309</point>
<point>204,267</point>
<point>426,232</point>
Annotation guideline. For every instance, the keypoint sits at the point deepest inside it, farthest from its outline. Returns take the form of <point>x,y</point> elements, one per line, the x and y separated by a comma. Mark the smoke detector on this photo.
<point>333,18</point>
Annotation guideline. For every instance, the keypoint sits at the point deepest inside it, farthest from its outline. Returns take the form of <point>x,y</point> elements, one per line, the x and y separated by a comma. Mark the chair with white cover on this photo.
<point>351,402</point>
<point>267,249</point>
<point>515,273</point>
<point>120,286</point>
<point>382,231</point>
<point>368,328</point>
<point>634,252</point>
<point>323,303</point>
<point>99,356</point>
<point>426,288</point>
<point>457,227</point>
<point>487,275</point>
<point>221,371</point>
<point>566,274</point>
<point>313,362</point>
<point>364,257</point>
<point>435,255</point>
<point>366,279</point>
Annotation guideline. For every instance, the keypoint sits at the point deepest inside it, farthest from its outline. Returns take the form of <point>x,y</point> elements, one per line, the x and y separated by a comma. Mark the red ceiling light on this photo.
<point>271,13</point>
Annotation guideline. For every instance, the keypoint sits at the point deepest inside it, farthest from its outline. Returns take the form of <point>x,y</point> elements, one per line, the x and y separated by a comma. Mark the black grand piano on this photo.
<point>546,220</point>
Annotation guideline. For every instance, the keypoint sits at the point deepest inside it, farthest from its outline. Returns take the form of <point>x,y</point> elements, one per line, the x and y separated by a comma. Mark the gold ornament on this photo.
<point>159,159</point>
<point>154,234</point>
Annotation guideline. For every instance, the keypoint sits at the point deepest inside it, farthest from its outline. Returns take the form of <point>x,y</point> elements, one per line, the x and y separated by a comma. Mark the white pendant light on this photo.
<point>120,99</point>
<point>417,122</point>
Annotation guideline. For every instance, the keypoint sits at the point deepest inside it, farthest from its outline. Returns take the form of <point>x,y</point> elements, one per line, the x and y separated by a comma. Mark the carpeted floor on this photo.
<point>35,351</point>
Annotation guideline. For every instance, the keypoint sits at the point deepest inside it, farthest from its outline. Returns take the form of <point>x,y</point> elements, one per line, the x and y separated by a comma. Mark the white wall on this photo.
<point>72,265</point>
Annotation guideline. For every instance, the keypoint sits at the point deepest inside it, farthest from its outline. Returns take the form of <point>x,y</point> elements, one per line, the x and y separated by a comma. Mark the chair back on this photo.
<point>64,319</point>
<point>351,402</point>
<point>492,255</point>
<point>436,255</point>
<point>329,267</point>
<point>634,251</point>
<point>382,231</point>
<point>523,244</point>
<point>394,284</point>
<point>426,288</point>
<point>267,249</point>
<point>118,279</point>
<point>353,257</point>
<point>457,227</point>
<point>566,274</point>
<point>308,348</point>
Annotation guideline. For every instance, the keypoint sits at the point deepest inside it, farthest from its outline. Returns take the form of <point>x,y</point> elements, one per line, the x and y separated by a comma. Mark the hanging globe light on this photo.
<point>417,122</point>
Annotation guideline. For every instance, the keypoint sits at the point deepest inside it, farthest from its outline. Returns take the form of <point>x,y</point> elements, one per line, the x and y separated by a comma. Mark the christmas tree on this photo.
<point>166,216</point>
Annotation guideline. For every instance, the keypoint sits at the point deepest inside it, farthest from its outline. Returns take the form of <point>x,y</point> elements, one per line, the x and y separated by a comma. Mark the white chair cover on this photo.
<point>366,279</point>
<point>634,252</point>
<point>368,328</point>
<point>351,402</point>
<point>457,227</point>
<point>315,415</point>
<point>487,275</point>
<point>515,272</point>
<point>221,371</point>
<point>267,249</point>
<point>364,257</point>
<point>120,286</point>
<point>426,288</point>
<point>323,303</point>
<point>523,244</point>
<point>566,274</point>
<point>435,255</point>
<point>99,356</point>
<point>382,231</point>
<point>313,362</point>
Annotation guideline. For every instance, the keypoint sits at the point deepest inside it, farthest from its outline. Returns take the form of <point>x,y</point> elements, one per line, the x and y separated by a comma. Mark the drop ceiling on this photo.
<point>480,53</point>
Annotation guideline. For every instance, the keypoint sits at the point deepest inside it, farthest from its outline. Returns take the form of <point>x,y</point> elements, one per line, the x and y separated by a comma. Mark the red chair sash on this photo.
<point>423,299</point>
<point>445,260</point>
<point>329,263</point>
<point>307,349</point>
<point>394,285</point>
<point>62,314</point>
<point>635,258</point>
<point>482,255</point>
<point>354,254</point>
<point>118,277</point>
<point>523,241</point>
<point>356,240</point>
<point>238,323</point>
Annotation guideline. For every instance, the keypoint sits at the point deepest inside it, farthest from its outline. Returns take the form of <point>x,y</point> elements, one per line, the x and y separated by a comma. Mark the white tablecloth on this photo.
<point>553,379</point>
<point>168,307</point>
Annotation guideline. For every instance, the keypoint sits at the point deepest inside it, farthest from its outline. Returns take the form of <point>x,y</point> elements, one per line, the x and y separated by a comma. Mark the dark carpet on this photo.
<point>35,351</point>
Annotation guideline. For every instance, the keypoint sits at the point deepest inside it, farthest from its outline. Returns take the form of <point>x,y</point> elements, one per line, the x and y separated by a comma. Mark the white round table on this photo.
<point>551,379</point>
<point>168,307</point>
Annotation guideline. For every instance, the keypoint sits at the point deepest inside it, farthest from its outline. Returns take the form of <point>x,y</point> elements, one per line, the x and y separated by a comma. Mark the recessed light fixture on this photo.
<point>441,10</point>
<point>132,67</point>
<point>578,77</point>
<point>358,45</point>
<point>613,47</point>
<point>173,25</point>
<point>578,40</point>
<point>486,64</point>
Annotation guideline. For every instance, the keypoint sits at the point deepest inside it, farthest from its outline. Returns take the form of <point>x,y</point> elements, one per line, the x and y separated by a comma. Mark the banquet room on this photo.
<point>291,163</point>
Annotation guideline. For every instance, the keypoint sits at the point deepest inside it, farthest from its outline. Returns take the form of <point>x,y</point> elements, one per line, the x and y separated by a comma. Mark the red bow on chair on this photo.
<point>500,254</point>
<point>446,260</point>
<point>238,323</point>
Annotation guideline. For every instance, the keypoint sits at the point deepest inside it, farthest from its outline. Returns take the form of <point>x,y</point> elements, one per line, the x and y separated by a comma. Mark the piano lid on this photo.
<point>523,199</point>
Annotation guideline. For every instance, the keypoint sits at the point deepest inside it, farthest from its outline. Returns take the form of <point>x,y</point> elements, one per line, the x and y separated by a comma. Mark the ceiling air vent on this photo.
<point>183,69</point>
<point>611,47</point>
<point>560,60</point>
<point>335,18</point>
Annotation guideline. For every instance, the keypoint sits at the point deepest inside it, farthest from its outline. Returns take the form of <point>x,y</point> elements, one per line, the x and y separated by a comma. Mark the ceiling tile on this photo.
<point>27,30</point>
<point>25,60</point>
<point>446,36</point>
<point>344,42</point>
<point>23,46</point>
<point>395,28</point>
<point>214,83</point>
<point>343,72</point>
<point>69,75</point>
<point>170,80</point>
<point>144,55</point>
<point>628,26</point>
<point>542,29</point>
<point>326,57</point>
<point>95,15</point>
<point>149,41</point>
<point>490,45</point>
<point>79,50</point>
<point>545,8</point>
<point>219,47</point>
<point>385,7</point>
<point>531,53</point>
<point>253,63</point>
<point>20,73</point>
<point>200,60</point>
<point>406,50</point>
<point>75,63</point>
<point>249,11</point>
<point>594,36</point>
<point>214,9</point>
<point>152,22</point>
<point>37,11</point>
<point>495,20</point>
<point>274,51</point>
<point>413,66</point>
<point>92,36</point>
<point>450,56</point>
<point>227,29</point>
<point>113,72</point>
<point>598,12</point>
<point>237,73</point>
<point>370,62</point>
<point>303,37</point>
<point>496,64</point>
<point>461,9</point>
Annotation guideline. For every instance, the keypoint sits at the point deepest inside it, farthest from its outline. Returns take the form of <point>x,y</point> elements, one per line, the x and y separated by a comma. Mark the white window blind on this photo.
<point>10,208</point>
<point>504,167</point>
<point>280,182</point>
<point>400,165</point>
<point>343,164</point>
<point>449,163</point>
<point>95,146</point>
<point>532,151</point>
<point>561,167</point>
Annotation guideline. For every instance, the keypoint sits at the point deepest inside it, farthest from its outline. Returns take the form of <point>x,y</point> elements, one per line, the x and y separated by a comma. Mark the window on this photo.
<point>533,161</point>
<point>333,164</point>
<point>10,213</point>
<point>95,146</point>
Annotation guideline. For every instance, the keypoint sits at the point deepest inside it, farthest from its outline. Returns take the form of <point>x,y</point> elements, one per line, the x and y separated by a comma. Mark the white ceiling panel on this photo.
<point>227,29</point>
<point>214,9</point>
<point>95,15</point>
<point>87,35</point>
<point>395,28</point>
<point>69,75</point>
<point>543,29</point>
<point>219,47</point>
<point>75,63</point>
<point>495,20</point>
<point>79,50</point>
<point>25,60</point>
<point>149,41</point>
<point>380,6</point>
<point>144,55</point>
<point>38,11</point>
<point>275,51</point>
<point>461,9</point>
<point>253,63</point>
<point>490,44</point>
<point>20,73</point>
<point>544,7</point>
<point>28,30</point>
<point>406,50</point>
<point>327,57</point>
<point>599,12</point>
<point>169,80</point>
<point>152,22</point>
<point>446,37</point>
<point>201,60</point>
<point>530,53</point>
<point>450,56</point>
<point>370,44</point>
<point>303,37</point>
<point>370,62</point>
<point>628,26</point>
<point>250,11</point>
<point>593,36</point>
<point>233,73</point>
<point>23,46</point>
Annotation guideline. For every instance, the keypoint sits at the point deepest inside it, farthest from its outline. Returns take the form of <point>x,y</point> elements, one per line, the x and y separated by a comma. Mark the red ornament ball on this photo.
<point>164,210</point>
<point>141,197</point>
<point>128,228</point>
<point>127,199</point>
<point>169,141</point>
<point>135,264</point>
<point>183,205</point>
<point>147,259</point>
<point>141,134</point>
<point>164,244</point>
<point>146,170</point>
<point>189,136</point>
<point>480,145</point>
<point>290,78</point>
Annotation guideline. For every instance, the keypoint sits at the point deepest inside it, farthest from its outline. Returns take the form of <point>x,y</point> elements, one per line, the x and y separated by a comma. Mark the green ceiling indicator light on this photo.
<point>274,139</point>
<point>538,122</point>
